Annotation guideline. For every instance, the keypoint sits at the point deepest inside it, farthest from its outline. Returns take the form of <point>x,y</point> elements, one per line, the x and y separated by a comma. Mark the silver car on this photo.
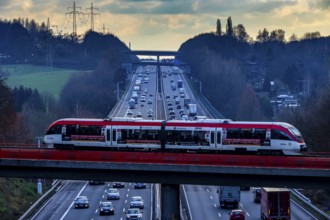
<point>113,194</point>
<point>137,202</point>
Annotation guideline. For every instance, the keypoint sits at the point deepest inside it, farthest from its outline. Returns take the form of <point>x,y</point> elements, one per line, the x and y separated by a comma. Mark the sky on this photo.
<point>166,24</point>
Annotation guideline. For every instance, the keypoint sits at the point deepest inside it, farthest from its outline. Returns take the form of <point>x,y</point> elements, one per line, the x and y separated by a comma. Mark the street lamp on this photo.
<point>118,89</point>
<point>200,85</point>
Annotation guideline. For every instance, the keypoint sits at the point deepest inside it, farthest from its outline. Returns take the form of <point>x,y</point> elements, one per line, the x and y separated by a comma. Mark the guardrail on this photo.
<point>307,202</point>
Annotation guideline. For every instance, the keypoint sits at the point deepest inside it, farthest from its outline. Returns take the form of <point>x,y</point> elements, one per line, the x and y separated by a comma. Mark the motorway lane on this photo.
<point>204,204</point>
<point>60,207</point>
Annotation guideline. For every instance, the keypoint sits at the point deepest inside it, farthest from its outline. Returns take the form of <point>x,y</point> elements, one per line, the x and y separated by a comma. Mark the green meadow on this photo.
<point>45,80</point>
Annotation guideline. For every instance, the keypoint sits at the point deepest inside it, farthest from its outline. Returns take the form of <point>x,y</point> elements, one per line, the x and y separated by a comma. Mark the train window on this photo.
<point>233,133</point>
<point>114,133</point>
<point>71,130</point>
<point>259,133</point>
<point>57,129</point>
<point>219,137</point>
<point>108,135</point>
<point>212,137</point>
<point>246,134</point>
<point>186,137</point>
<point>279,135</point>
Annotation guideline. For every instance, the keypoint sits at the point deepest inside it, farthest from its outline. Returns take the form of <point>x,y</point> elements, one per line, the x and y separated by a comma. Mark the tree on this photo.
<point>240,33</point>
<point>229,27</point>
<point>277,35</point>
<point>249,107</point>
<point>293,37</point>
<point>312,35</point>
<point>263,36</point>
<point>218,30</point>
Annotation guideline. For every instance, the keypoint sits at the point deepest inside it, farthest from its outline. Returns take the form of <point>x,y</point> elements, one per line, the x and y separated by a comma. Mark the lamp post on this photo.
<point>200,85</point>
<point>118,89</point>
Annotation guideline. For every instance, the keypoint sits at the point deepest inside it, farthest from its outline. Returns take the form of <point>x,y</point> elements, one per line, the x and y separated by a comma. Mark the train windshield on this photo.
<point>296,133</point>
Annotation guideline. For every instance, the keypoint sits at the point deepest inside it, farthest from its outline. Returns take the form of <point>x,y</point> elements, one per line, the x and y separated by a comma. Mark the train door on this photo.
<point>108,136</point>
<point>215,139</point>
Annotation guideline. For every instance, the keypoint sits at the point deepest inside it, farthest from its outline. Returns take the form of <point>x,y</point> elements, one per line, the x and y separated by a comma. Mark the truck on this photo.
<point>180,83</point>
<point>186,102</point>
<point>229,196</point>
<point>275,203</point>
<point>131,103</point>
<point>192,109</point>
<point>135,97</point>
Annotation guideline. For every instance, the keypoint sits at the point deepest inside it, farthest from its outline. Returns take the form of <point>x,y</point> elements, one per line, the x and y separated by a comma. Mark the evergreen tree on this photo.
<point>229,30</point>
<point>218,31</point>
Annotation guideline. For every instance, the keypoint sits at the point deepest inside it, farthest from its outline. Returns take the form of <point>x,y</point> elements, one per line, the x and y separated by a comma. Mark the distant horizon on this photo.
<point>166,24</point>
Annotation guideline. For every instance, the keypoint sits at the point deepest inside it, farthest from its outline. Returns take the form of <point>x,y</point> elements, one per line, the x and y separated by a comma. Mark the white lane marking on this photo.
<point>241,205</point>
<point>67,211</point>
<point>215,205</point>
<point>126,201</point>
<point>247,213</point>
<point>219,214</point>
<point>96,211</point>
<point>127,195</point>
<point>211,197</point>
<point>128,190</point>
<point>207,189</point>
<point>124,210</point>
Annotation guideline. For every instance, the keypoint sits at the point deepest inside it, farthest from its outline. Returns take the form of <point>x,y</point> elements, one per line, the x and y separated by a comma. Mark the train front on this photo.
<point>298,138</point>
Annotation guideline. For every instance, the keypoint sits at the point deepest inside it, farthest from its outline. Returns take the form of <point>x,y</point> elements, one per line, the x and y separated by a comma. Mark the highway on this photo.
<point>202,200</point>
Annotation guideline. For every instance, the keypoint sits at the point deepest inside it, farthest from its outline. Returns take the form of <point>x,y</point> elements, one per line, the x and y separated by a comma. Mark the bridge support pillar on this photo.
<point>170,201</point>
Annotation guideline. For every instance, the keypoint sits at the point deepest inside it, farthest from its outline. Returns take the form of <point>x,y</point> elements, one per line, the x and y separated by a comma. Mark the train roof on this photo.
<point>171,122</point>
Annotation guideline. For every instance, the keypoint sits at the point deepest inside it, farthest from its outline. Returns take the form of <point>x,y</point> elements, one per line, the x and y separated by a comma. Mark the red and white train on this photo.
<point>206,135</point>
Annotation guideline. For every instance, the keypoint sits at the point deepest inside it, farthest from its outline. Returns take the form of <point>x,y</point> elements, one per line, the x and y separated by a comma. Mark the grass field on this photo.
<point>39,77</point>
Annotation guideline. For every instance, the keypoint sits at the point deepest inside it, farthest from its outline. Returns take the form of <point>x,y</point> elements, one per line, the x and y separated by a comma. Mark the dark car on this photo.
<point>257,195</point>
<point>140,185</point>
<point>81,202</point>
<point>106,208</point>
<point>118,185</point>
<point>237,214</point>
<point>96,182</point>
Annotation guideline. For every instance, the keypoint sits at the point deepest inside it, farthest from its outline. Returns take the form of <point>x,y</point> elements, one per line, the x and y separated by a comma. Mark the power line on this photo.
<point>104,28</point>
<point>92,13</point>
<point>74,12</point>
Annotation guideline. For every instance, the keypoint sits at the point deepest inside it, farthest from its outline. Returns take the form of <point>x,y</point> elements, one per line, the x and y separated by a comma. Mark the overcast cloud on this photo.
<point>165,24</point>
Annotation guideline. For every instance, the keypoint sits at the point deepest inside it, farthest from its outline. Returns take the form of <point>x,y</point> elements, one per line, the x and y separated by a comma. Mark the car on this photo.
<point>96,182</point>
<point>129,112</point>
<point>118,185</point>
<point>140,185</point>
<point>150,115</point>
<point>178,107</point>
<point>139,114</point>
<point>181,112</point>
<point>172,112</point>
<point>133,214</point>
<point>237,214</point>
<point>167,97</point>
<point>149,101</point>
<point>136,202</point>
<point>81,202</point>
<point>151,94</point>
<point>184,117</point>
<point>113,193</point>
<point>142,105</point>
<point>143,100</point>
<point>106,208</point>
<point>172,117</point>
<point>170,108</point>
